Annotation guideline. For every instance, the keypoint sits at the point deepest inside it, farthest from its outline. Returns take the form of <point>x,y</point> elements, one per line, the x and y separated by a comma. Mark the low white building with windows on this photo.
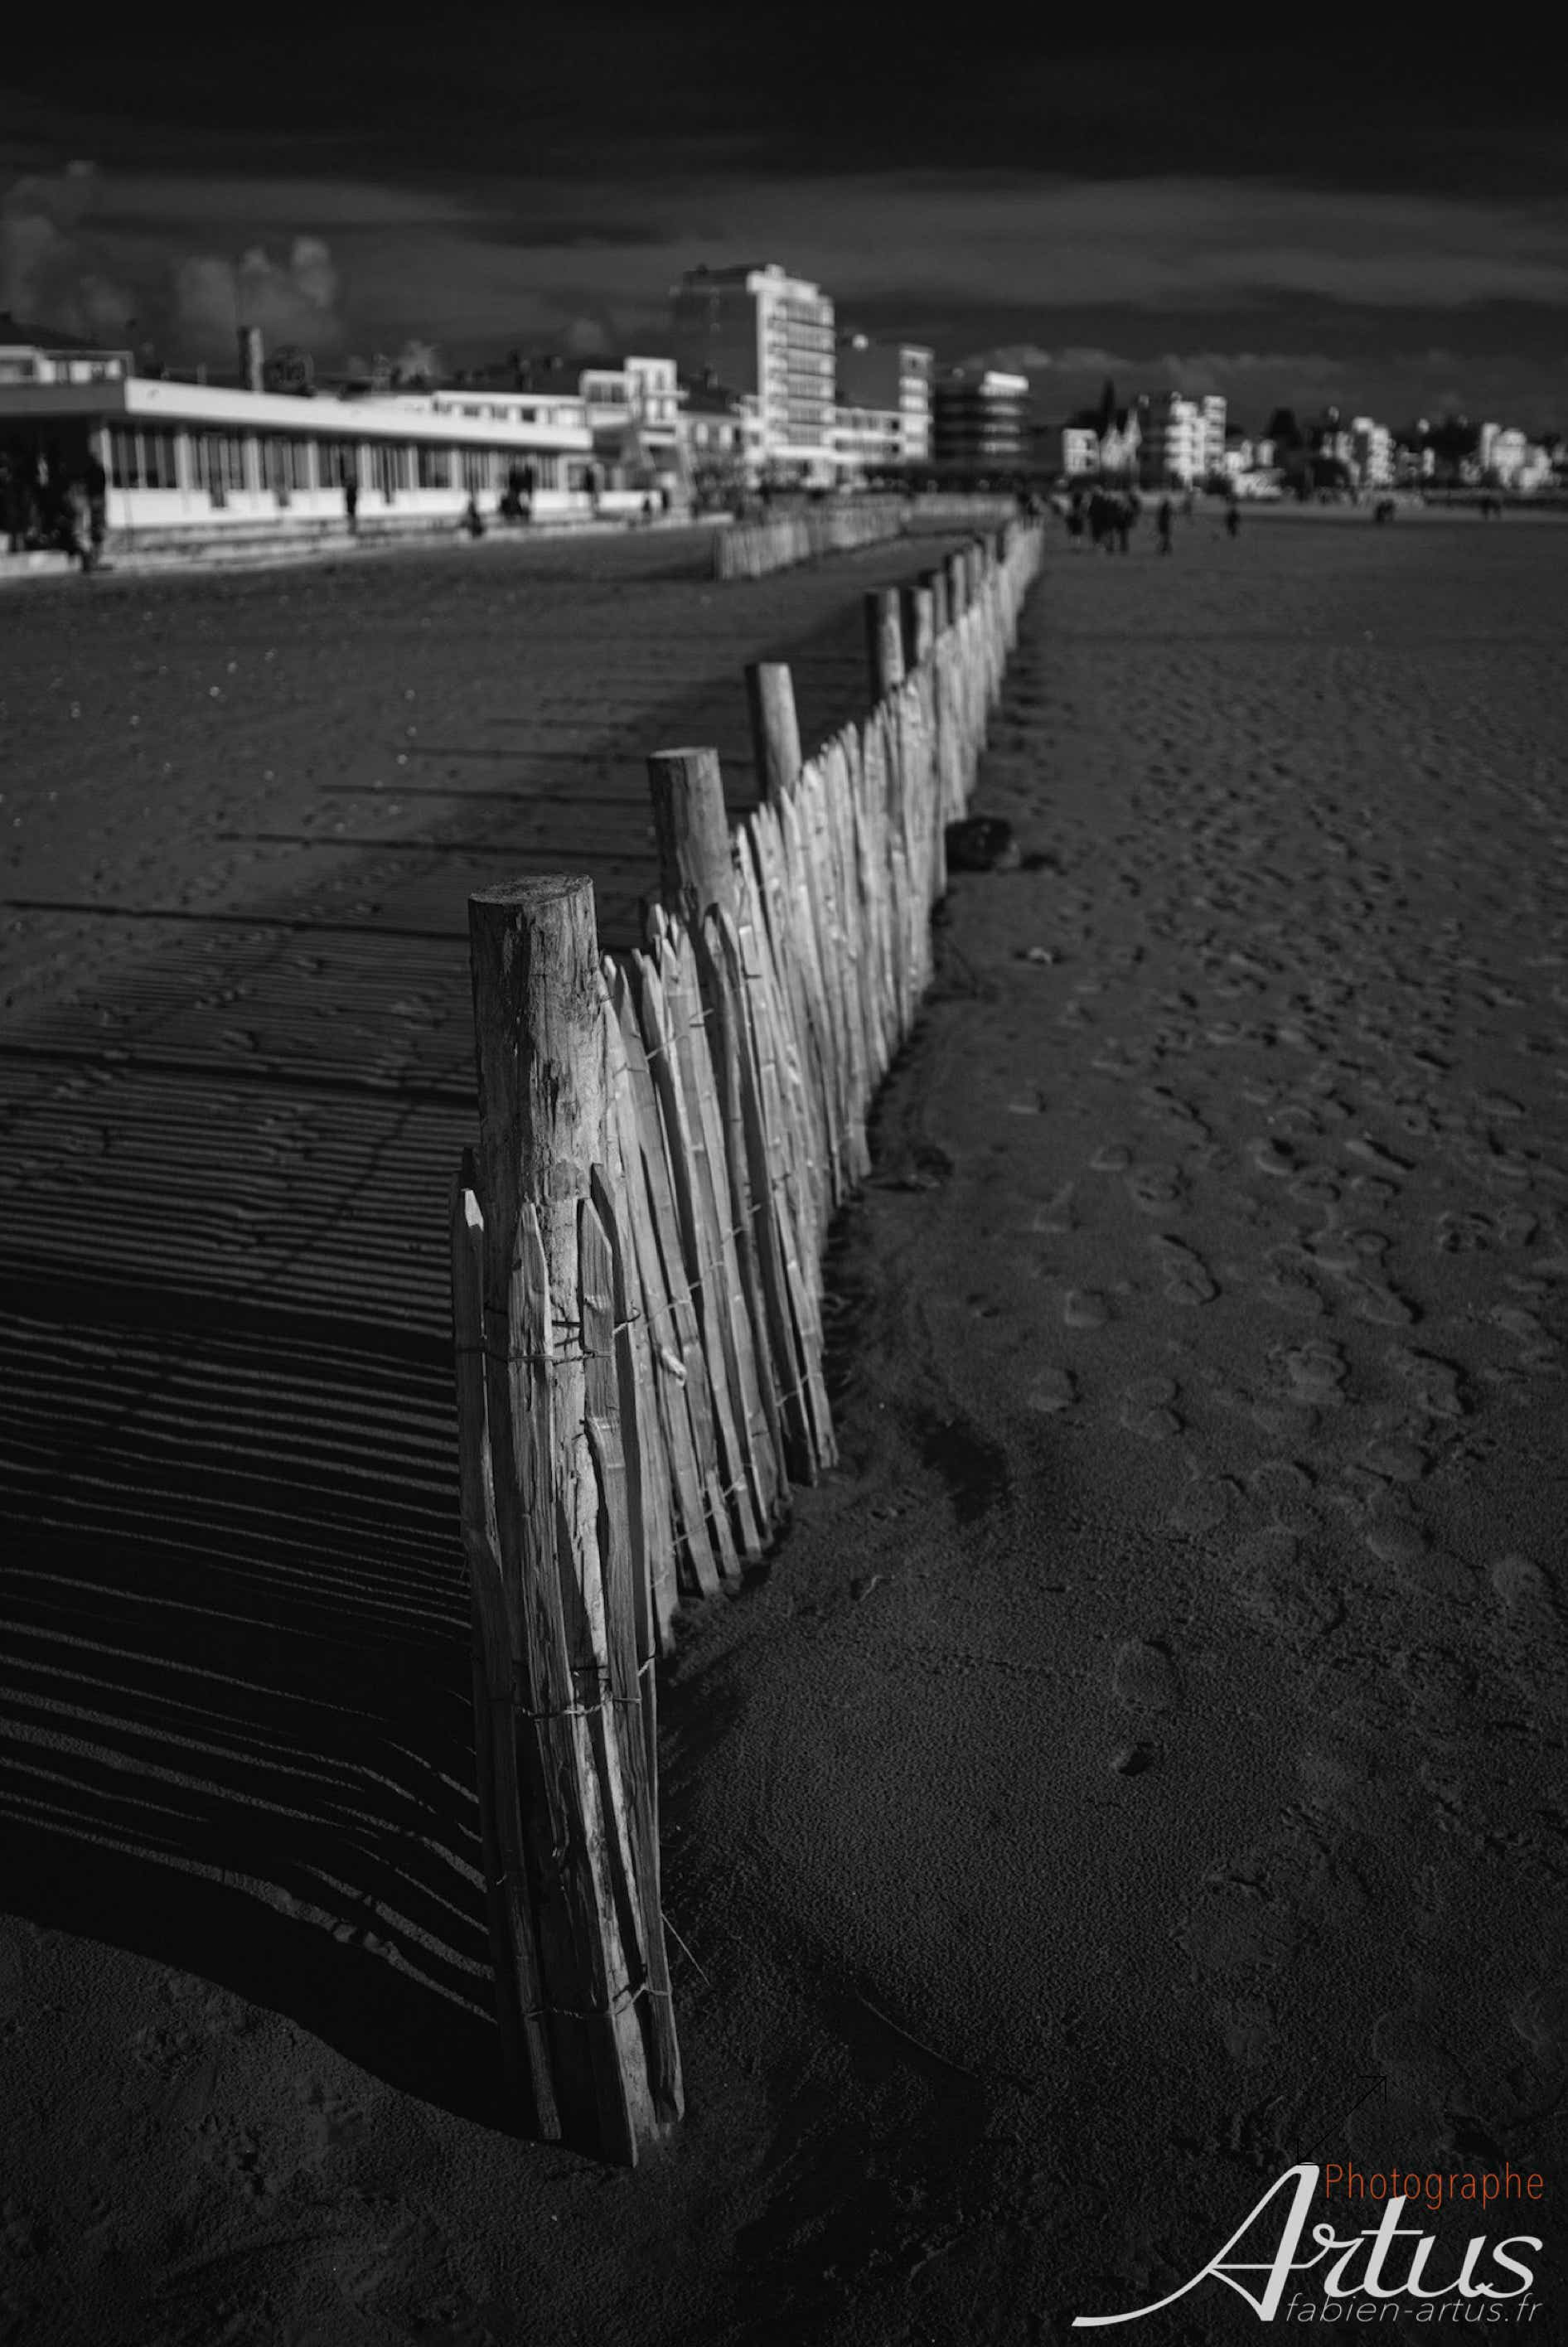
<point>200,457</point>
<point>33,355</point>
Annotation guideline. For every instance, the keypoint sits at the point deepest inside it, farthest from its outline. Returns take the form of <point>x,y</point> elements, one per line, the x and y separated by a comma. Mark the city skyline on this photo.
<point>1224,221</point>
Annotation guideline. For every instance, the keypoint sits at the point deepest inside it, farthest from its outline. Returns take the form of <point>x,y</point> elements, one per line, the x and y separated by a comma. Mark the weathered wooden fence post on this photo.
<point>586,2005</point>
<point>919,625</point>
<point>775,728</point>
<point>696,862</point>
<point>884,642</point>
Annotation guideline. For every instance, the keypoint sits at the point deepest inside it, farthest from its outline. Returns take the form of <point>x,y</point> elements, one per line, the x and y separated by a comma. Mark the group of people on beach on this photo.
<point>47,507</point>
<point>1109,516</point>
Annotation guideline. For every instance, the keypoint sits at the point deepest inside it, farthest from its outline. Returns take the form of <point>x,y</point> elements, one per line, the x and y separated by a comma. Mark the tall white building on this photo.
<point>1183,439</point>
<point>770,337</point>
<point>1371,453</point>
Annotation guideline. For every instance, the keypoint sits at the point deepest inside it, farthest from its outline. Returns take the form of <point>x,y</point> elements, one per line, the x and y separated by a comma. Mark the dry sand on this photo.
<point>1142,1765</point>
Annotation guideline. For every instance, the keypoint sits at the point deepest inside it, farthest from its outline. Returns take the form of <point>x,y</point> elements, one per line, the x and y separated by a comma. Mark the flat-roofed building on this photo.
<point>1080,450</point>
<point>39,355</point>
<point>1371,453</point>
<point>867,440</point>
<point>204,457</point>
<point>770,337</point>
<point>892,380</point>
<point>716,436</point>
<point>1181,440</point>
<point>980,419</point>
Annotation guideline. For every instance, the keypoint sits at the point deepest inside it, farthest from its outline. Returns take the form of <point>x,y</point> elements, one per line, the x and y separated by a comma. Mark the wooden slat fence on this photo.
<point>753,550</point>
<point>637,1248</point>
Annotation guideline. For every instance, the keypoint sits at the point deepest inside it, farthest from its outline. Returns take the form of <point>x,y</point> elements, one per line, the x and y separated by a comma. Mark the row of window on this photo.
<point>145,458</point>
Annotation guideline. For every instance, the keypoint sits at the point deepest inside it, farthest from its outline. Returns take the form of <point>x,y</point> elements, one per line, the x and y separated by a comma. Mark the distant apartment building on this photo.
<point>980,419</point>
<point>717,435</point>
<point>1510,459</point>
<point>1371,453</point>
<point>883,399</point>
<point>1181,440</point>
<point>768,336</point>
<point>1080,450</point>
<point>1414,461</point>
<point>632,405</point>
<point>41,354</point>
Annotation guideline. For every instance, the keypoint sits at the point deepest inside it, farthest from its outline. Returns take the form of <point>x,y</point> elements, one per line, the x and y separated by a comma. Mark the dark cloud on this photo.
<point>496,177</point>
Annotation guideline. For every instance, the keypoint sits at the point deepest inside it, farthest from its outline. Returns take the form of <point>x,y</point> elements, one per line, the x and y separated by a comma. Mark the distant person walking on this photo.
<point>351,502</point>
<point>1126,515</point>
<point>98,488</point>
<point>73,524</point>
<point>14,494</point>
<point>1165,522</point>
<point>1232,519</point>
<point>1075,523</point>
<point>473,520</point>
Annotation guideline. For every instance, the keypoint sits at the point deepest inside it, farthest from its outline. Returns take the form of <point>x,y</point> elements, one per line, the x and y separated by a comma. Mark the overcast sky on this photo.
<point>1312,218</point>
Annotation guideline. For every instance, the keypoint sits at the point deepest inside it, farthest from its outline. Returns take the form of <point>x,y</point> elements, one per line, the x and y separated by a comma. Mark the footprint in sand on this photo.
<point>1156,1189</point>
<point>1274,1158</point>
<point>1314,1374</point>
<point>1406,1548</point>
<point>1372,1153</point>
<point>1282,1594</point>
<point>1146,1408</point>
<point>1315,1187</point>
<point>1394,1461</point>
<point>1287,1490</point>
<point>1541,2017</point>
<point>1524,1590</point>
<point>1049,1391</point>
<point>1379,1302</point>
<point>1203,1507</point>
<point>1437,1683</point>
<point>1372,1191</point>
<point>1434,1385</point>
<point>1288,1285</point>
<point>1528,1597</point>
<point>1145,1677</point>
<point>1176,1113</point>
<point>1186,1276</point>
<point>1053,1217</point>
<point>1085,1307</point>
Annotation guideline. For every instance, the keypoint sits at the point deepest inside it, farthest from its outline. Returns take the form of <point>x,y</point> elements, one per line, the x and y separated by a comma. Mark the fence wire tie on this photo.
<point>617,2003</point>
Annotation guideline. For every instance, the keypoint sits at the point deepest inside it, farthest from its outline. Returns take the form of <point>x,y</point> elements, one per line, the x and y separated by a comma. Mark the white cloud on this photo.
<point>292,300</point>
<point>53,271</point>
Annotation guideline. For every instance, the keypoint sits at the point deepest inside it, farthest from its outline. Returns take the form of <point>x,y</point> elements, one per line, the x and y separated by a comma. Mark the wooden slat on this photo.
<point>683,1384</point>
<point>625,1720</point>
<point>520,1984</point>
<point>716,1274</point>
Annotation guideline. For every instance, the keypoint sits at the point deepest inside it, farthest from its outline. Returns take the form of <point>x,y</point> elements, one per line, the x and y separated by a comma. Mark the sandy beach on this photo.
<point>1141,1766</point>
